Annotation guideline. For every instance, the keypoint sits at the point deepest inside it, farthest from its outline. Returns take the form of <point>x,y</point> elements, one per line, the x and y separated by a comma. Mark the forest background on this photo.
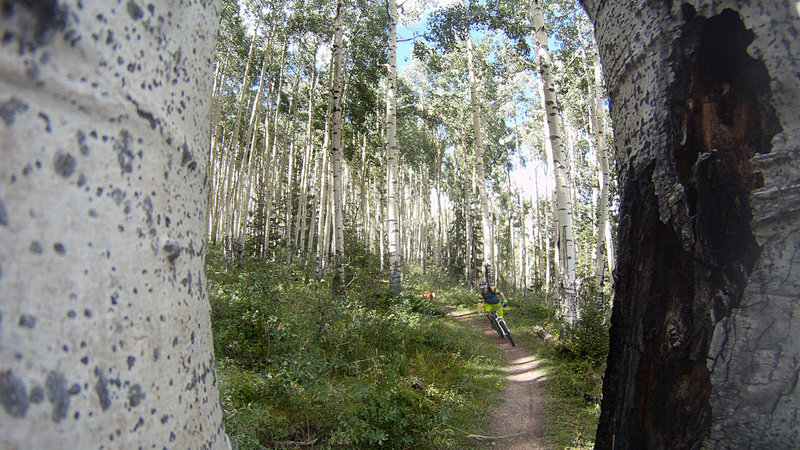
<point>499,171</point>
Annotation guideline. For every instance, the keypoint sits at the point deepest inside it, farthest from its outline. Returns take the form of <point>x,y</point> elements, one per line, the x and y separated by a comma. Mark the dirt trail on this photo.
<point>517,423</point>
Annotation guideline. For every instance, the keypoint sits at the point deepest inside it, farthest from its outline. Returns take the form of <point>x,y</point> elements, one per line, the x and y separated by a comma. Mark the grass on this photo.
<point>573,362</point>
<point>297,367</point>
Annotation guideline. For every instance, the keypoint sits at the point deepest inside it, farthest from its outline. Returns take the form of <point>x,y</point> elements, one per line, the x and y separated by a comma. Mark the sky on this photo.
<point>525,177</point>
<point>407,33</point>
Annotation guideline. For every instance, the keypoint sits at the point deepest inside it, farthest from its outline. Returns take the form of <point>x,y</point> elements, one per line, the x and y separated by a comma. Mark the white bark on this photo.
<point>564,232</point>
<point>488,242</point>
<point>308,165</point>
<point>599,141</point>
<point>232,202</point>
<point>105,331</point>
<point>395,267</point>
<point>336,153</point>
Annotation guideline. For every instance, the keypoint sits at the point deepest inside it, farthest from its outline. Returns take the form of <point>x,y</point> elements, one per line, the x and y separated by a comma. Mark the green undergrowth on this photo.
<point>573,361</point>
<point>297,368</point>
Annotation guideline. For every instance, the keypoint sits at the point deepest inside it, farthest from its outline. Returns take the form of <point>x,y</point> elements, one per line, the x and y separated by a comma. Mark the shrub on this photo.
<point>295,365</point>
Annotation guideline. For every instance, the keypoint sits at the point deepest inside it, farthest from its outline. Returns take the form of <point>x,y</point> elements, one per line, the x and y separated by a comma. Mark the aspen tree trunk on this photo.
<point>324,211</point>
<point>523,246</point>
<point>307,169</point>
<point>215,205</point>
<point>395,267</point>
<point>214,153</point>
<point>536,226</point>
<point>104,311</point>
<point>328,234</point>
<point>232,198</point>
<point>402,223</point>
<point>382,240</point>
<point>704,348</point>
<point>322,180</point>
<point>244,207</point>
<point>315,201</point>
<point>362,194</point>
<point>336,154</point>
<point>217,216</point>
<point>271,172</point>
<point>439,213</point>
<point>289,184</point>
<point>564,232</point>
<point>511,255</point>
<point>425,227</point>
<point>598,142</point>
<point>488,243</point>
<point>469,245</point>
<point>247,188</point>
<point>216,96</point>
<point>610,253</point>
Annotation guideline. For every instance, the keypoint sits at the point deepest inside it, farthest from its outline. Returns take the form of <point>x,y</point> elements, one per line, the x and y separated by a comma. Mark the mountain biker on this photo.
<point>490,299</point>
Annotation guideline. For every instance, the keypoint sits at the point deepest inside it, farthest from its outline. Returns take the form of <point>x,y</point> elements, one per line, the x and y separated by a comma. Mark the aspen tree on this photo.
<point>564,231</point>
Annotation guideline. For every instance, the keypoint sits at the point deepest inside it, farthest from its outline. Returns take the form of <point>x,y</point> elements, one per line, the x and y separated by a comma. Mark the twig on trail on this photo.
<point>478,437</point>
<point>481,438</point>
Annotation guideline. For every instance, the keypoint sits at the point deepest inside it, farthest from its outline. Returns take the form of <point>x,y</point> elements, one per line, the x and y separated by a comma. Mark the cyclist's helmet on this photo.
<point>483,285</point>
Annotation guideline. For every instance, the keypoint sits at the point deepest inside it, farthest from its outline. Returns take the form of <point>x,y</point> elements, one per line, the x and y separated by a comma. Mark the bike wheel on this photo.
<point>508,333</point>
<point>496,326</point>
<point>493,323</point>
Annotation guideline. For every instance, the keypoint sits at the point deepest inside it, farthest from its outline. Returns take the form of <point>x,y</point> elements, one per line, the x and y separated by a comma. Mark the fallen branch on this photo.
<point>481,438</point>
<point>295,443</point>
<point>478,437</point>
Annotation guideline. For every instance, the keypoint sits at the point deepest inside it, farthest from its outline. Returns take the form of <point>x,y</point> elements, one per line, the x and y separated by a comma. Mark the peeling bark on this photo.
<point>702,352</point>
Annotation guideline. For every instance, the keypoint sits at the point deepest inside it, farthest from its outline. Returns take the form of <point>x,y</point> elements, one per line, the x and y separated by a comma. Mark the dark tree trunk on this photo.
<point>704,276</point>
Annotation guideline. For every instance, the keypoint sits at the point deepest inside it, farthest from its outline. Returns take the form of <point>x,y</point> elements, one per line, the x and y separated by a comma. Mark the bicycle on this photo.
<point>499,324</point>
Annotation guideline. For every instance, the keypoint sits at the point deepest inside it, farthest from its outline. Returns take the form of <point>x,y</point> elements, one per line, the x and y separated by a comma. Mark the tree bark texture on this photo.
<point>336,155</point>
<point>564,229</point>
<point>395,267</point>
<point>488,243</point>
<point>105,334</point>
<point>704,349</point>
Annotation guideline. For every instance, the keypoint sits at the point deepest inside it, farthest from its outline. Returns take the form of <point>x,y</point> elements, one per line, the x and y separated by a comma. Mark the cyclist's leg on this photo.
<point>498,307</point>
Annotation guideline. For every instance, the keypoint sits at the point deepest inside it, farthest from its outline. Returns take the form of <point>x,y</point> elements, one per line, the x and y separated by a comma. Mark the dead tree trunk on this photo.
<point>703,351</point>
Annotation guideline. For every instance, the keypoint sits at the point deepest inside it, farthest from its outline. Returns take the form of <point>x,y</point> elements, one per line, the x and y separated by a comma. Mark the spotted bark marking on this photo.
<point>10,108</point>
<point>134,10</point>
<point>100,94</point>
<point>57,395</point>
<point>101,388</point>
<point>65,164</point>
<point>3,214</point>
<point>27,321</point>
<point>12,394</point>
<point>36,23</point>
<point>124,151</point>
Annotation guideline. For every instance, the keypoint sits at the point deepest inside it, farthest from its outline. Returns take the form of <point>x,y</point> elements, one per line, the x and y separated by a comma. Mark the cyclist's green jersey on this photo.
<point>492,295</point>
<point>491,300</point>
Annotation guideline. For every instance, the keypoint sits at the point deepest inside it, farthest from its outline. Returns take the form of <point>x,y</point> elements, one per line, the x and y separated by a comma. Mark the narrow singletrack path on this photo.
<point>518,421</point>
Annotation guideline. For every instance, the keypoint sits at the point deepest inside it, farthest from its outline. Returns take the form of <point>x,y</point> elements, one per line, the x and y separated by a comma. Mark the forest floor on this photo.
<point>518,420</point>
